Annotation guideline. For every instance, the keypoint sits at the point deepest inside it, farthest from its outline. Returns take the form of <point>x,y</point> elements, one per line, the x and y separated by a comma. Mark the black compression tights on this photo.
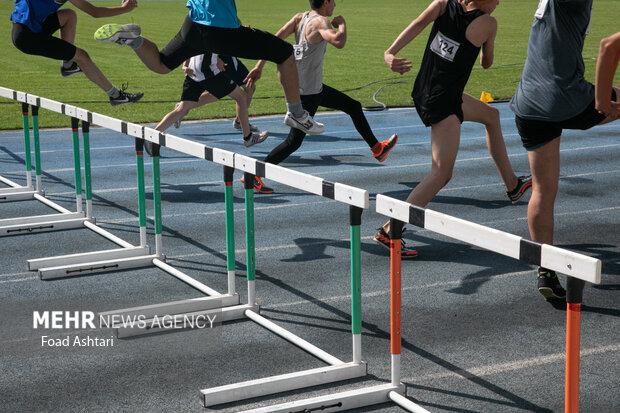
<point>329,98</point>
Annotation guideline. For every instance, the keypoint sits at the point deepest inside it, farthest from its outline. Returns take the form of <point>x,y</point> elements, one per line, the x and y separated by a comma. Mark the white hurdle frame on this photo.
<point>578,267</point>
<point>128,256</point>
<point>64,218</point>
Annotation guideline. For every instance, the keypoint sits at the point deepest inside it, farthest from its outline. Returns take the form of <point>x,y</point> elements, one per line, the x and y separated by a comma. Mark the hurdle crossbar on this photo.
<point>355,198</point>
<point>578,267</point>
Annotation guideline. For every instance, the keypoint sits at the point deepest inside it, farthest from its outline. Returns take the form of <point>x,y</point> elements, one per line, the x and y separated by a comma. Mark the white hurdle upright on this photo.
<point>63,219</point>
<point>128,256</point>
<point>578,267</point>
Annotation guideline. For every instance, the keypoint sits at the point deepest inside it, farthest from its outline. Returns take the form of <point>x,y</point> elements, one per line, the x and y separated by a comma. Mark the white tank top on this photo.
<point>309,58</point>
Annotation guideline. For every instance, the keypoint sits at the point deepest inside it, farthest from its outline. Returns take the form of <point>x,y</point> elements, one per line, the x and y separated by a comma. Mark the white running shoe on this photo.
<point>177,124</point>
<point>304,123</point>
<point>256,137</point>
<point>120,34</point>
<point>237,125</point>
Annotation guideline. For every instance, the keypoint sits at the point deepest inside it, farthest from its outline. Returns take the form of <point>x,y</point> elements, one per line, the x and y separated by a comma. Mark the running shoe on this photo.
<point>385,148</point>
<point>124,97</point>
<point>177,124</point>
<point>384,239</point>
<point>237,125</point>
<point>255,137</point>
<point>305,123</point>
<point>120,34</point>
<point>523,184</point>
<point>74,69</point>
<point>259,186</point>
<point>149,147</point>
<point>549,285</point>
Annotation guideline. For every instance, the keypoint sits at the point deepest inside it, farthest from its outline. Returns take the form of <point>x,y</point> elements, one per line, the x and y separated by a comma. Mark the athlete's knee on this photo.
<point>67,18</point>
<point>81,56</point>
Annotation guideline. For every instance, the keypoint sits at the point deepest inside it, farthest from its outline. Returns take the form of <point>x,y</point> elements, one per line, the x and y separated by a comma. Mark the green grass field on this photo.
<point>372,26</point>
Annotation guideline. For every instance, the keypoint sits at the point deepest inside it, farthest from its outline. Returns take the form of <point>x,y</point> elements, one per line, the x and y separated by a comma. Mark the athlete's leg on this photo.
<point>179,112</point>
<point>545,167</point>
<point>68,23</point>
<point>334,99</point>
<point>91,70</point>
<point>239,96</point>
<point>295,136</point>
<point>249,93</point>
<point>475,110</point>
<point>445,138</point>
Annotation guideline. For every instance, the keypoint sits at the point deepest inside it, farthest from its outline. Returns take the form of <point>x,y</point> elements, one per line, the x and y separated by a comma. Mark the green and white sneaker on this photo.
<point>120,34</point>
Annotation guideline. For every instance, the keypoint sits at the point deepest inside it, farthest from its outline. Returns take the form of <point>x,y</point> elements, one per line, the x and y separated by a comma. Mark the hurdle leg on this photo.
<point>249,236</point>
<point>157,200</point>
<point>27,151</point>
<point>87,172</point>
<point>355,216</point>
<point>396,229</point>
<point>141,190</point>
<point>574,296</point>
<point>76,164</point>
<point>230,228</point>
<point>37,148</point>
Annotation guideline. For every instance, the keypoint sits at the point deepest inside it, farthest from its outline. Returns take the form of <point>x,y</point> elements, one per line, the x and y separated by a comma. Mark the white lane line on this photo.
<point>500,368</point>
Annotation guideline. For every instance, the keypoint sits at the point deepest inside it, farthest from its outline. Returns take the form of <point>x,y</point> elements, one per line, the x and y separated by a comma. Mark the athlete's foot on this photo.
<point>120,34</point>
<point>382,149</point>
<point>74,69</point>
<point>124,98</point>
<point>304,123</point>
<point>255,137</point>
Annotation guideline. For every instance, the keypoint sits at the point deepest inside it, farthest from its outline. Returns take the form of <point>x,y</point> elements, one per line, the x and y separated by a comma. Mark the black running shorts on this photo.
<point>235,69</point>
<point>194,39</point>
<point>219,86</point>
<point>42,44</point>
<point>536,133</point>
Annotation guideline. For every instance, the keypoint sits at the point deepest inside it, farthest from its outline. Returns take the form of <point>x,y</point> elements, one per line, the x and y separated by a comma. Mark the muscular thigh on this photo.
<point>41,44</point>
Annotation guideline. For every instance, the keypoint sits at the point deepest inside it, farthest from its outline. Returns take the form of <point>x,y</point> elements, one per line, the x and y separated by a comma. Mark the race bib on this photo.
<point>444,47</point>
<point>298,49</point>
<point>540,11</point>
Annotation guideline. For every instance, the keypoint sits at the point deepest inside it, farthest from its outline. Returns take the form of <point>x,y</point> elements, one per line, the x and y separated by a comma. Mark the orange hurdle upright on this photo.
<point>574,296</point>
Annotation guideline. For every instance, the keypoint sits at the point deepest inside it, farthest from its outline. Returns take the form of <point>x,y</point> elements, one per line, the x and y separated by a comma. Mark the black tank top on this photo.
<point>448,60</point>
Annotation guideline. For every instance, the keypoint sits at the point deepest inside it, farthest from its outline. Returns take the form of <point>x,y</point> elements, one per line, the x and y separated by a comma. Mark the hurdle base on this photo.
<point>87,268</point>
<point>282,383</point>
<point>72,259</point>
<point>336,402</point>
<point>42,223</point>
<point>21,194</point>
<point>221,314</point>
<point>191,305</point>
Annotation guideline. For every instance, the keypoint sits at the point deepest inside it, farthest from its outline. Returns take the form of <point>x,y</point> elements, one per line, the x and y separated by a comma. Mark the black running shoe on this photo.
<point>549,285</point>
<point>74,69</point>
<point>149,147</point>
<point>124,97</point>
<point>384,239</point>
<point>523,184</point>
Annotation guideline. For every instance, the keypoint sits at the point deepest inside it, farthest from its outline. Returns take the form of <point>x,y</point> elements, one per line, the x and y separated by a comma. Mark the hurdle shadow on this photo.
<point>501,202</point>
<point>371,329</point>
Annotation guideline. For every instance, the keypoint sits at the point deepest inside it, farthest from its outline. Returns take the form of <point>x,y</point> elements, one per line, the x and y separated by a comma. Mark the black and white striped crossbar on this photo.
<point>176,143</point>
<point>308,183</point>
<point>299,180</point>
<point>554,258</point>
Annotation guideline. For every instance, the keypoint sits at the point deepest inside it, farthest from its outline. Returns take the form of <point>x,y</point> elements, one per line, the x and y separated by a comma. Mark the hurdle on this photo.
<point>128,256</point>
<point>64,218</point>
<point>578,267</point>
<point>355,198</point>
